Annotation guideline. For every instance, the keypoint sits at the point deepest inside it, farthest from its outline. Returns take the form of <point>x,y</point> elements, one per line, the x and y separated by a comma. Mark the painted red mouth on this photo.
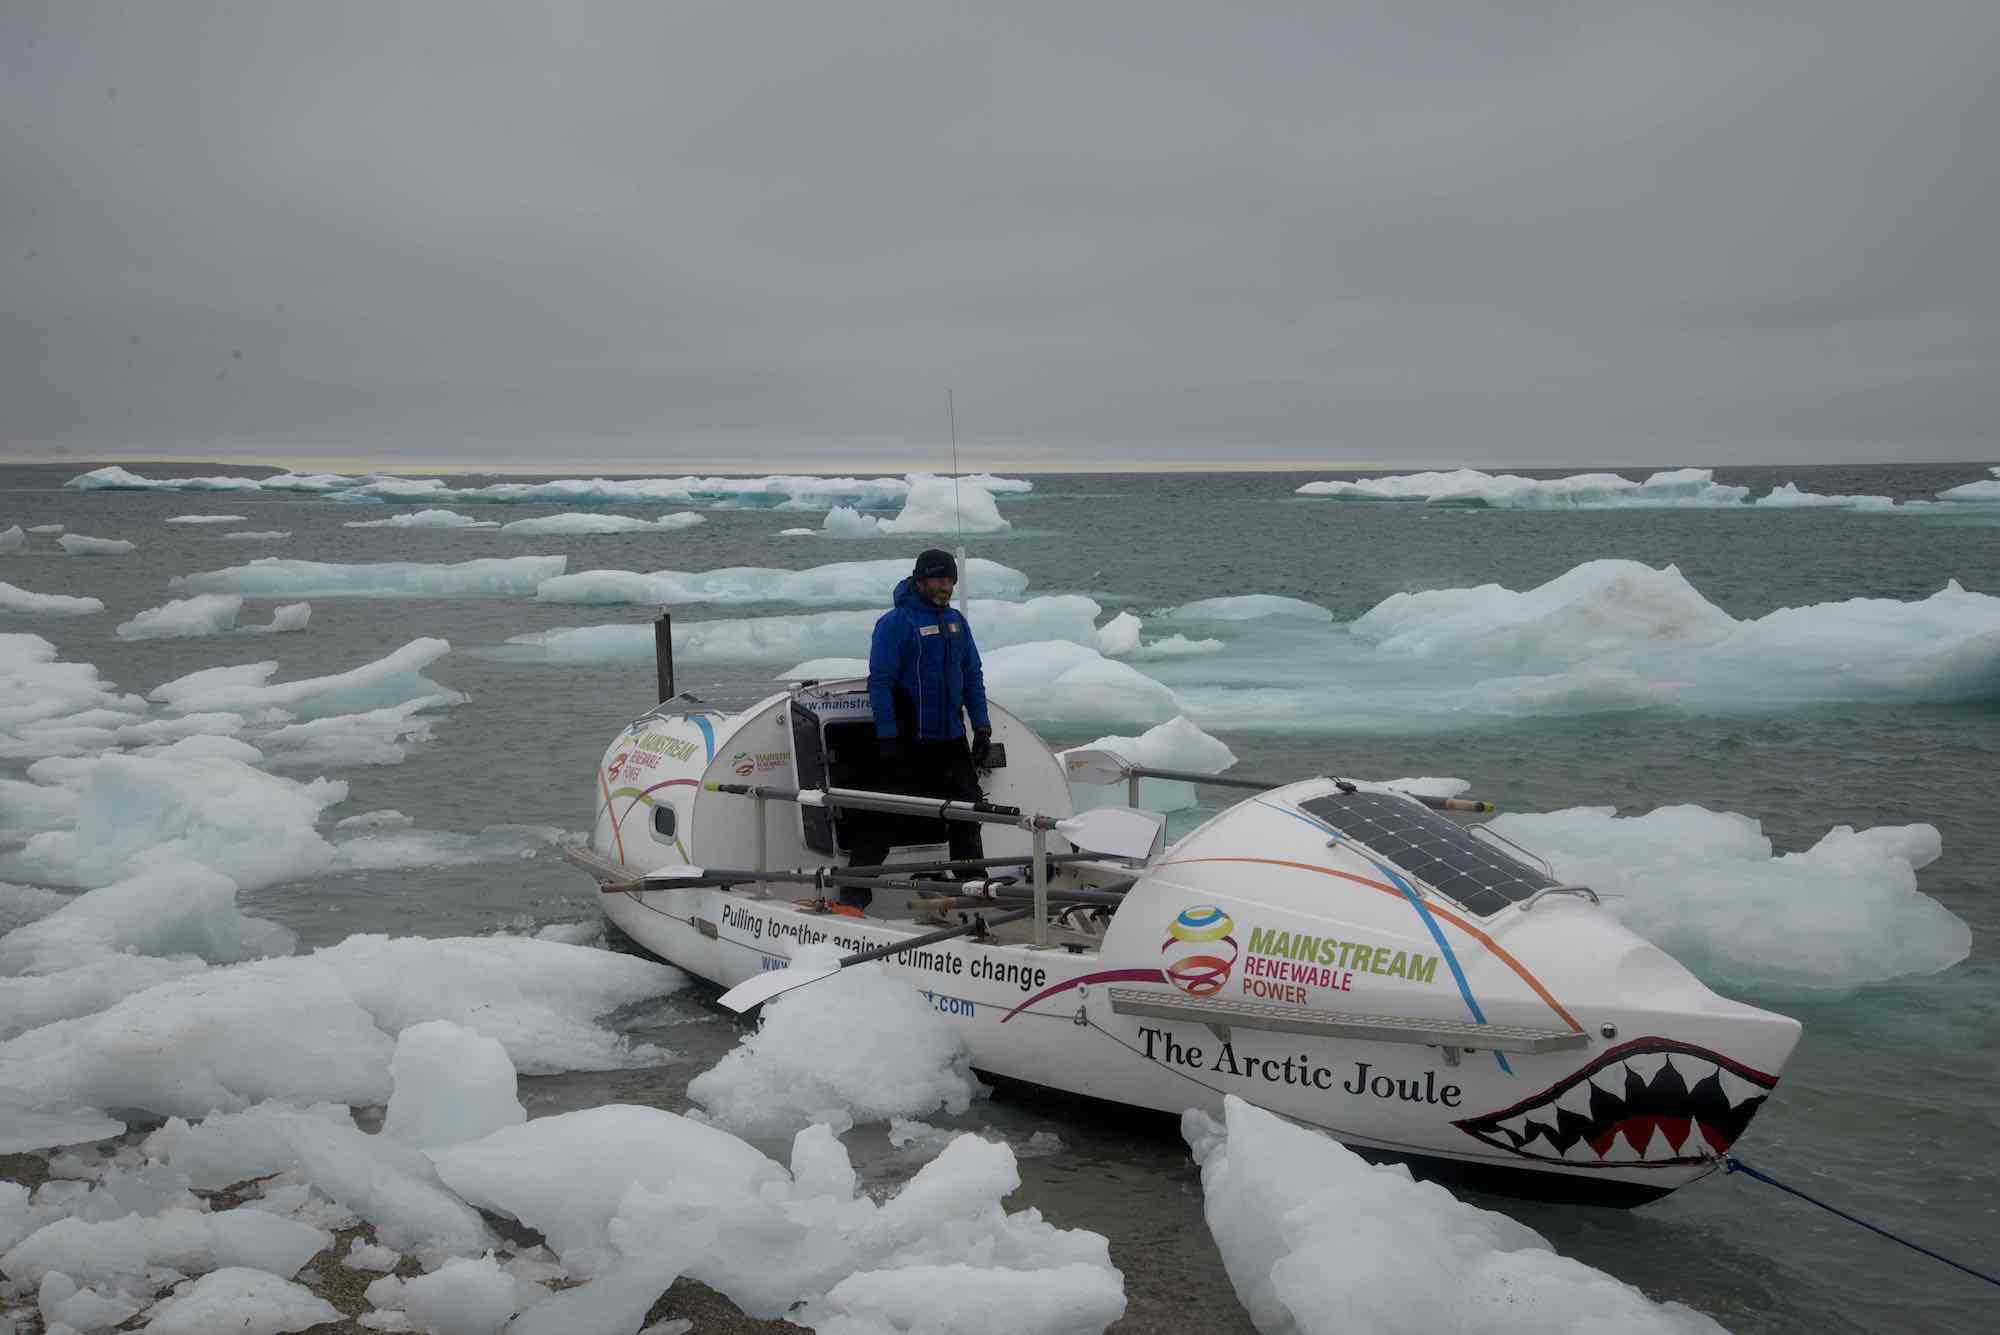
<point>1649,1101</point>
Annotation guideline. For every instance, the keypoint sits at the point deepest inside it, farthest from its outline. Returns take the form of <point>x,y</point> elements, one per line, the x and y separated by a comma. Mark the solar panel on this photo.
<point>1444,855</point>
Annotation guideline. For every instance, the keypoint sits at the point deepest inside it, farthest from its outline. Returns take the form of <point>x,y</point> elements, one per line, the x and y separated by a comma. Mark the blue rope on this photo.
<point>1735,1165</point>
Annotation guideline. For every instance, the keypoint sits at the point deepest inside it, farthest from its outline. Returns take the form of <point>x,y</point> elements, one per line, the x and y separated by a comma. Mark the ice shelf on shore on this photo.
<point>616,1187</point>
<point>1581,491</point>
<point>860,1046</point>
<point>785,639</point>
<point>1708,888</point>
<point>24,602</point>
<point>1317,1240</point>
<point>281,577</point>
<point>838,582</point>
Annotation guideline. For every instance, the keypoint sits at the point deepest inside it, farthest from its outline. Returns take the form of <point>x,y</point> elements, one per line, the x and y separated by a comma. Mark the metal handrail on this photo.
<point>1486,828</point>
<point>1539,895</point>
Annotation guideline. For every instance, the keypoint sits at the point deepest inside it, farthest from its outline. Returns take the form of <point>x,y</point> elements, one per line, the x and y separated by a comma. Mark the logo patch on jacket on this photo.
<point>951,626</point>
<point>927,630</point>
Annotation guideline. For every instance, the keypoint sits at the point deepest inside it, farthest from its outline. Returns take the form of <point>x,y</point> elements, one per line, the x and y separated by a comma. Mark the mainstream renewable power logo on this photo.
<point>1200,949</point>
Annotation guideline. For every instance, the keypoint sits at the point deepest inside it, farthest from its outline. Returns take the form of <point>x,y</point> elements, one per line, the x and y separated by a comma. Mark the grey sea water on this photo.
<point>1891,1107</point>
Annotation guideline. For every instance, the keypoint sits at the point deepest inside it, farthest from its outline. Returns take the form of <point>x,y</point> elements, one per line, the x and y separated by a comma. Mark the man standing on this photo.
<point>924,680</point>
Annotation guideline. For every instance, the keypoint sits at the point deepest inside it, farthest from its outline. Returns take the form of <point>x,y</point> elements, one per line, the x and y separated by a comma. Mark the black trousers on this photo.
<point>933,769</point>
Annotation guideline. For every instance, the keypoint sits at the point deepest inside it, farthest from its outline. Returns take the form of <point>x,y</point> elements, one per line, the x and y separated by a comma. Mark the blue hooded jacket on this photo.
<point>925,655</point>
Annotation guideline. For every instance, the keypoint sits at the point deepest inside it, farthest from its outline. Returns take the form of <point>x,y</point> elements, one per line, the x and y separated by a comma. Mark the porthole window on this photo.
<point>663,821</point>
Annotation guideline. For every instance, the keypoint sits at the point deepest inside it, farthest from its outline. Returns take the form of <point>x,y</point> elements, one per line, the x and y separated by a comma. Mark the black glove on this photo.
<point>982,747</point>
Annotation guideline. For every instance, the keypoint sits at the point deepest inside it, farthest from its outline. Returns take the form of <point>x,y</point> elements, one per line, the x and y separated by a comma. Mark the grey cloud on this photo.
<point>757,235</point>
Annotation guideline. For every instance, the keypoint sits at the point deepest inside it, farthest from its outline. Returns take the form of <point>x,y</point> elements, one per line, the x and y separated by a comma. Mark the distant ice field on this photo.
<point>1772,728</point>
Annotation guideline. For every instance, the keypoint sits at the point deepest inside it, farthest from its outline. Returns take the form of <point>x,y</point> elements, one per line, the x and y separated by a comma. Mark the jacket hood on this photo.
<point>907,595</point>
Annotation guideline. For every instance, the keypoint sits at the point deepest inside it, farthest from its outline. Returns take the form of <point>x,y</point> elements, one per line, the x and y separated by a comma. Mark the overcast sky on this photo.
<point>757,236</point>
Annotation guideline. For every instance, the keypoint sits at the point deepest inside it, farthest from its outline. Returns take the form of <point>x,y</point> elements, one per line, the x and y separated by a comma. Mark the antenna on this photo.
<point>958,514</point>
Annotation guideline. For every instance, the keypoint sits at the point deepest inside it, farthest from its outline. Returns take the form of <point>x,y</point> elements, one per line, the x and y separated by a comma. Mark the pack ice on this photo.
<point>77,544</point>
<point>837,582</point>
<point>1318,1241</point>
<point>24,602</point>
<point>423,519</point>
<point>1469,486</point>
<point>209,614</point>
<point>1044,681</point>
<point>279,577</point>
<point>1069,617</point>
<point>585,525</point>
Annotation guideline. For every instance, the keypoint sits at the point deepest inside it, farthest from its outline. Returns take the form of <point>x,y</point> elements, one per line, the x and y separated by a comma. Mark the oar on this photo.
<point>758,990</point>
<point>1099,766</point>
<point>1110,831</point>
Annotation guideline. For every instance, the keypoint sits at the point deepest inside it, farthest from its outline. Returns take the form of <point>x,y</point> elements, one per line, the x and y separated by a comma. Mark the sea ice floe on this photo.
<point>423,519</point>
<point>788,639</point>
<point>838,582</point>
<point>258,535</point>
<point>1119,636</point>
<point>1983,490</point>
<point>461,1297</point>
<point>860,1046</point>
<point>1787,496</point>
<point>1249,607</point>
<point>368,737</point>
<point>188,802</point>
<point>203,614</point>
<point>35,685</point>
<point>25,602</point>
<point>207,519</point>
<point>319,1028</point>
<point>1317,1240</point>
<point>388,850</point>
<point>45,528</point>
<point>1582,491</point>
<point>171,910</point>
<point>1607,635</point>
<point>246,688</point>
<point>12,539</point>
<point>115,478</point>
<point>576,524</point>
<point>1175,744</point>
<point>1708,888</point>
<point>77,544</point>
<point>279,577</point>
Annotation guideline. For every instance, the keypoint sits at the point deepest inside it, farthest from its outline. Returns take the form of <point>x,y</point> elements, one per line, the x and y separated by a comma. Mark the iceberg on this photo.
<point>1317,1240</point>
<point>1175,744</point>
<point>278,577</point>
<point>839,582</point>
<point>860,1046</point>
<point>1707,887</point>
<point>1678,487</point>
<point>76,544</point>
<point>246,688</point>
<point>423,519</point>
<point>932,505</point>
<point>24,602</point>
<point>203,614</point>
<point>582,524</point>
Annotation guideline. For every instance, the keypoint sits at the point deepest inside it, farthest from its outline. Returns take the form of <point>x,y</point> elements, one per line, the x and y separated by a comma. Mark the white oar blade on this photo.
<point>1094,764</point>
<point>756,991</point>
<point>1115,832</point>
<point>668,875</point>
